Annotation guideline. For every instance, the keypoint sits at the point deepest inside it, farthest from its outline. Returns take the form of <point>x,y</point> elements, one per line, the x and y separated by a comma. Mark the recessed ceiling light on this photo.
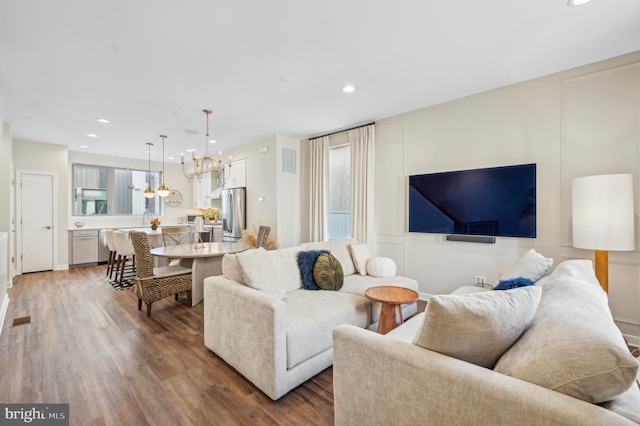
<point>573,3</point>
<point>84,146</point>
<point>191,150</point>
<point>170,158</point>
<point>212,141</point>
<point>92,135</point>
<point>103,120</point>
<point>348,89</point>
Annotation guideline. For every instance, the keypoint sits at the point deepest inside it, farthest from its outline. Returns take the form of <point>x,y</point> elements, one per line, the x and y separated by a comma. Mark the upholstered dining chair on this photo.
<point>153,284</point>
<point>111,245</point>
<point>175,235</point>
<point>125,253</point>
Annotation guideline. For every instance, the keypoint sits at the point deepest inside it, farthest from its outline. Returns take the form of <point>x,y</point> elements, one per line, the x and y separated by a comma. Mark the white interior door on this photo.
<point>36,222</point>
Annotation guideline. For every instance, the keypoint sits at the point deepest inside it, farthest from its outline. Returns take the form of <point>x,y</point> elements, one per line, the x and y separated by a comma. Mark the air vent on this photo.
<point>289,160</point>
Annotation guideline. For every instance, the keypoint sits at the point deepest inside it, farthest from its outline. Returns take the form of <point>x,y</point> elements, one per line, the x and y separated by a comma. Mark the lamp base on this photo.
<point>602,268</point>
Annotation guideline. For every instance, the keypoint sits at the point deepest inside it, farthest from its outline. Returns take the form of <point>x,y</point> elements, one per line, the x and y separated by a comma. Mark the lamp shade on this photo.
<point>602,212</point>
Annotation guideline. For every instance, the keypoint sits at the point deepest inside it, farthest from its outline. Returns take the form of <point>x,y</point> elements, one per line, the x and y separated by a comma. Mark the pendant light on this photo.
<point>149,193</point>
<point>163,191</point>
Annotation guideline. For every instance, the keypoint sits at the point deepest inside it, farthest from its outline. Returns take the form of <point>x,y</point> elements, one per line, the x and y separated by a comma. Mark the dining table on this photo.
<point>205,260</point>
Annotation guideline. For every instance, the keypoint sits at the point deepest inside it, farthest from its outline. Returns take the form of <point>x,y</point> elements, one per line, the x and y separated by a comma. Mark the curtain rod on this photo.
<point>344,130</point>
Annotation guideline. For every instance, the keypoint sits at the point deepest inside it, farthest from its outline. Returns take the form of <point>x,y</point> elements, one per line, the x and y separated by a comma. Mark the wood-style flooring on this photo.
<point>89,346</point>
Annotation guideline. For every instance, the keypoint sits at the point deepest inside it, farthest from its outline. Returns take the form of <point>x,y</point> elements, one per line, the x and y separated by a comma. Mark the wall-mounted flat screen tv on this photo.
<point>498,201</point>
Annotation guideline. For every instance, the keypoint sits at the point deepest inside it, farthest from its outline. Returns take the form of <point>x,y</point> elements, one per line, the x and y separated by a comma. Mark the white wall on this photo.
<point>261,181</point>
<point>532,122</point>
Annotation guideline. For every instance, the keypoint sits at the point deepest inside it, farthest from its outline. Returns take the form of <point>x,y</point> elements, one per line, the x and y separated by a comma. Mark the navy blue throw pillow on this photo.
<point>513,283</point>
<point>306,262</point>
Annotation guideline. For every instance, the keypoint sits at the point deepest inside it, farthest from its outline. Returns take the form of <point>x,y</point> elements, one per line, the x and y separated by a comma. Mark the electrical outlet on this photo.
<point>481,280</point>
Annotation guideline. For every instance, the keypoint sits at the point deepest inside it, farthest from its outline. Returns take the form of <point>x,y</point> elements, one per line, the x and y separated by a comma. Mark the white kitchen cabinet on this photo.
<point>237,176</point>
<point>85,246</point>
<point>201,188</point>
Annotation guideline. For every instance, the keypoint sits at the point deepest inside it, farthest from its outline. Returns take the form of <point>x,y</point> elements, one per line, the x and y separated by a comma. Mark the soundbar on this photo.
<point>472,239</point>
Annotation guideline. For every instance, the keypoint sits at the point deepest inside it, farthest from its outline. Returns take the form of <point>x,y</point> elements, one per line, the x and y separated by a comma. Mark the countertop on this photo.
<point>93,228</point>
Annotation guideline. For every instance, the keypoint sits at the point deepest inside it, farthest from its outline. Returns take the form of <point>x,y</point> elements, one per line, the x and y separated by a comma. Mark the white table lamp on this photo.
<point>602,215</point>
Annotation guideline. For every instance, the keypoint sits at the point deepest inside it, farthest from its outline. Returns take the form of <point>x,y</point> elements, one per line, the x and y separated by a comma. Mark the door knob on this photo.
<point>46,227</point>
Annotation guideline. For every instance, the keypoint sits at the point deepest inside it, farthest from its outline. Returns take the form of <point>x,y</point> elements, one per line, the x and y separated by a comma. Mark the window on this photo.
<point>340,192</point>
<point>99,190</point>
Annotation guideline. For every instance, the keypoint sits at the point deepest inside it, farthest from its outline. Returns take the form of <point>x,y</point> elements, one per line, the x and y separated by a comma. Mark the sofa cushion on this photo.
<point>306,262</point>
<point>312,316</point>
<point>358,284</point>
<point>381,267</point>
<point>231,268</point>
<point>573,346</point>
<point>477,327</point>
<point>274,272</point>
<point>327,273</point>
<point>360,254</point>
<point>339,249</point>
<point>530,265</point>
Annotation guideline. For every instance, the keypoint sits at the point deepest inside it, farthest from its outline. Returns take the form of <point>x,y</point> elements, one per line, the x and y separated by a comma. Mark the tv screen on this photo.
<point>499,201</point>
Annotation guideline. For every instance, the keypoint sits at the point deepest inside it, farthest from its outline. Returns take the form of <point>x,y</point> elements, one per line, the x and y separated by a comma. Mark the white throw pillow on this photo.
<point>274,272</point>
<point>231,268</point>
<point>381,267</point>
<point>360,254</point>
<point>531,265</point>
<point>479,327</point>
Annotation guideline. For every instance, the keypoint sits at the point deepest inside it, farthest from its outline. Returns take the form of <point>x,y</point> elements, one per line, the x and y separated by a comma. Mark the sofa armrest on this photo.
<point>379,380</point>
<point>247,329</point>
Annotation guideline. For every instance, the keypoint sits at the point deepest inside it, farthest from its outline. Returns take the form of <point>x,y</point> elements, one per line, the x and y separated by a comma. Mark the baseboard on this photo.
<point>3,312</point>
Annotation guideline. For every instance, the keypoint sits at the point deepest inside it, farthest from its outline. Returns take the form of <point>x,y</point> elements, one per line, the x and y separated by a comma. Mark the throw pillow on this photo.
<point>381,267</point>
<point>327,272</point>
<point>339,249</point>
<point>513,283</point>
<point>361,255</point>
<point>231,268</point>
<point>479,327</point>
<point>274,272</point>
<point>531,265</point>
<point>573,346</point>
<point>306,262</point>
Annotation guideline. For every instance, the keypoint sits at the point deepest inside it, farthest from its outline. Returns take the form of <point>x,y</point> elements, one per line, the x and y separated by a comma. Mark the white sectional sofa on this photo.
<point>260,319</point>
<point>571,365</point>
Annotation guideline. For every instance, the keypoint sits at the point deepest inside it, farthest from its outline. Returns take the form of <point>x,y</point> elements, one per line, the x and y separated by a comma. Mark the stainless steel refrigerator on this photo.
<point>234,214</point>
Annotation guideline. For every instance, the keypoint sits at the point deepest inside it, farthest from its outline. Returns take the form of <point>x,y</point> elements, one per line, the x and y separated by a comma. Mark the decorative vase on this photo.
<point>154,227</point>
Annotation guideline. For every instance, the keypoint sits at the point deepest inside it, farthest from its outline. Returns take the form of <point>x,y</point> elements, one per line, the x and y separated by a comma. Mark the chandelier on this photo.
<point>206,164</point>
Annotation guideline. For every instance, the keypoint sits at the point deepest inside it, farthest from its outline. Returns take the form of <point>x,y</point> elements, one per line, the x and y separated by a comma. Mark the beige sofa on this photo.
<point>570,367</point>
<point>262,322</point>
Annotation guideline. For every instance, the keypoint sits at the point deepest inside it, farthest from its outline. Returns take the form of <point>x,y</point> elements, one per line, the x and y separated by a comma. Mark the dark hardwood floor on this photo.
<point>89,346</point>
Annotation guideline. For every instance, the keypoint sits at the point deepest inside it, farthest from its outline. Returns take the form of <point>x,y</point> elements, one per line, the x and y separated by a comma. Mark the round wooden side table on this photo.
<point>391,297</point>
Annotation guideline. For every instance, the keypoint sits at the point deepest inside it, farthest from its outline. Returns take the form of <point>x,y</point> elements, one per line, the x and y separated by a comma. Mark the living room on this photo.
<point>578,121</point>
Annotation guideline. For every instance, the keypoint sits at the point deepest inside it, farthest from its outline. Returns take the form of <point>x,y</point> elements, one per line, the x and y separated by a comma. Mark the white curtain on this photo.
<point>319,204</point>
<point>362,142</point>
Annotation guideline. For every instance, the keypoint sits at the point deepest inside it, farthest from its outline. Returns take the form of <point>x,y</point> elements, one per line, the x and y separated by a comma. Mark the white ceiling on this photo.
<point>269,67</point>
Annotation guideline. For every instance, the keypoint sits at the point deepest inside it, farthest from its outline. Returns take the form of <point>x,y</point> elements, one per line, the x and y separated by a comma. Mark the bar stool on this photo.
<point>125,251</point>
<point>111,245</point>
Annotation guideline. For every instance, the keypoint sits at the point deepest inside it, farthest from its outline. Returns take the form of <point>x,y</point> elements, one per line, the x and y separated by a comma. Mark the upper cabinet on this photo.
<point>237,176</point>
<point>201,188</point>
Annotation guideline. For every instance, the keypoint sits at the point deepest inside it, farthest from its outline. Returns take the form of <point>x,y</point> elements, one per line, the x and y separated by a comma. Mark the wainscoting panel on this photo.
<point>392,247</point>
<point>601,135</point>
